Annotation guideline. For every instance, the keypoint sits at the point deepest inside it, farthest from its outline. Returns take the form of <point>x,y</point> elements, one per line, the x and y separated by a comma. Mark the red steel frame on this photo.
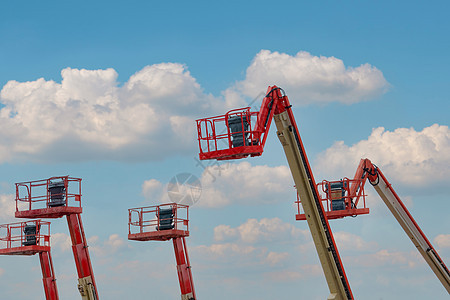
<point>143,225</point>
<point>12,239</point>
<point>32,201</point>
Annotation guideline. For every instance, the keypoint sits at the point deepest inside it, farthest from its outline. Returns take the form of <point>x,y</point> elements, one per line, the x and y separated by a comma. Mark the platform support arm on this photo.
<point>411,228</point>
<point>184,269</point>
<point>86,281</point>
<point>48,276</point>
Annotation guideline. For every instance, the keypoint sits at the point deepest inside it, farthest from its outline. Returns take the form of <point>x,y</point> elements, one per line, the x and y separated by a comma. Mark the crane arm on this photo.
<point>367,170</point>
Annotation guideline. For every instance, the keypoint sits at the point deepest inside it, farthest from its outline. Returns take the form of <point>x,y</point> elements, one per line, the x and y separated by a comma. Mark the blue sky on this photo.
<point>108,91</point>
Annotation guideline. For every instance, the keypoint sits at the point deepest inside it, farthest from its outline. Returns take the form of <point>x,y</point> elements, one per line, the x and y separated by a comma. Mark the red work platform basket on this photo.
<point>231,136</point>
<point>337,200</point>
<point>158,223</point>
<point>48,198</point>
<point>25,238</point>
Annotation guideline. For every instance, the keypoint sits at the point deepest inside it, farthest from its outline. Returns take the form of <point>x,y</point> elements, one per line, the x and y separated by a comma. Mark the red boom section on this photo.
<point>29,238</point>
<point>184,269</point>
<point>162,223</point>
<point>81,253</point>
<point>48,275</point>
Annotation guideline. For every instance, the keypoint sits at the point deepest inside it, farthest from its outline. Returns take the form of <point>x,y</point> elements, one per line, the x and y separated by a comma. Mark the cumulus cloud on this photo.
<point>275,258</point>
<point>423,155</point>
<point>226,249</point>
<point>105,248</point>
<point>385,257</point>
<point>245,184</point>
<point>152,188</point>
<point>443,241</point>
<point>253,242</point>
<point>229,183</point>
<point>349,241</point>
<point>287,275</point>
<point>7,208</point>
<point>254,231</point>
<point>88,115</point>
<point>310,78</point>
<point>61,241</point>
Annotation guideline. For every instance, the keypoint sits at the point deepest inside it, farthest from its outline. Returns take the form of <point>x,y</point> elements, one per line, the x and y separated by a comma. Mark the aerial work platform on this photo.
<point>162,223</point>
<point>48,198</point>
<point>30,238</point>
<point>158,223</point>
<point>338,199</point>
<point>57,197</point>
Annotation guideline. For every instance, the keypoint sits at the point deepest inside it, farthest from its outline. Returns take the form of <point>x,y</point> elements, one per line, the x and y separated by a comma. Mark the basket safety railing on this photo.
<point>230,135</point>
<point>28,233</point>
<point>158,218</point>
<point>337,200</point>
<point>48,193</point>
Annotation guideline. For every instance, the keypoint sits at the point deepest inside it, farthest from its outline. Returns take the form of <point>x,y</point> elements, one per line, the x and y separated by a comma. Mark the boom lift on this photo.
<point>30,238</point>
<point>54,198</point>
<point>231,136</point>
<point>354,190</point>
<point>162,223</point>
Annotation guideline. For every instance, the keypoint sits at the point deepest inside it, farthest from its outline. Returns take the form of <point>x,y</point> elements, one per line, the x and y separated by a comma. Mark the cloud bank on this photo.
<point>233,183</point>
<point>89,115</point>
<point>404,155</point>
<point>312,79</point>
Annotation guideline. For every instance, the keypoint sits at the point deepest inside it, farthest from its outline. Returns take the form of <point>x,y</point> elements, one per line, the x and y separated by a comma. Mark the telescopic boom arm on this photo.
<point>367,170</point>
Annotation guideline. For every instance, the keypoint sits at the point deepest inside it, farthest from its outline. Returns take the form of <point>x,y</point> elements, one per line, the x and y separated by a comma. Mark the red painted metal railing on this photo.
<point>337,199</point>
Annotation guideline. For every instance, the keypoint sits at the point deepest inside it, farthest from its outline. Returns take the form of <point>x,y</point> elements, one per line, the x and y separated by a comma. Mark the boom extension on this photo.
<point>48,276</point>
<point>366,170</point>
<point>184,269</point>
<point>86,281</point>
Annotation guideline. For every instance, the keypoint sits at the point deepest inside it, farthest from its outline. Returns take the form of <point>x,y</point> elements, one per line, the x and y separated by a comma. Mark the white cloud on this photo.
<point>7,208</point>
<point>245,184</point>
<point>287,275</point>
<point>152,189</point>
<point>254,242</point>
<point>226,250</point>
<point>275,258</point>
<point>61,241</point>
<point>115,242</point>
<point>88,115</point>
<point>349,241</point>
<point>309,78</point>
<point>255,231</point>
<point>442,241</point>
<point>229,183</point>
<point>404,155</point>
<point>105,248</point>
<point>385,257</point>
